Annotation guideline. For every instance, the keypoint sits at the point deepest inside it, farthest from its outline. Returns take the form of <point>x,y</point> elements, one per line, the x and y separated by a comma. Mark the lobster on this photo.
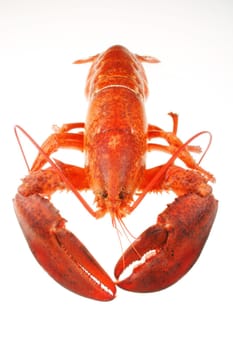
<point>115,139</point>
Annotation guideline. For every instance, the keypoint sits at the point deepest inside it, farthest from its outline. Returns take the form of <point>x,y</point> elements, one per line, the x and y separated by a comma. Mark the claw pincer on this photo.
<point>59,252</point>
<point>171,247</point>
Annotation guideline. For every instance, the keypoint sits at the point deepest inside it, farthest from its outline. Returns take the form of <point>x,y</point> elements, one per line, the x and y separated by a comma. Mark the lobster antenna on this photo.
<point>54,165</point>
<point>164,168</point>
<point>20,144</point>
<point>208,145</point>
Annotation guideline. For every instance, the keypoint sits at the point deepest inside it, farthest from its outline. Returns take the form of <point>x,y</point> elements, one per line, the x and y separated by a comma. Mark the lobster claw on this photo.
<point>167,250</point>
<point>59,252</point>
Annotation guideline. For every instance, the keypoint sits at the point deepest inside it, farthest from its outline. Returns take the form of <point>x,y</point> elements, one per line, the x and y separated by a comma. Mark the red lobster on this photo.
<point>115,141</point>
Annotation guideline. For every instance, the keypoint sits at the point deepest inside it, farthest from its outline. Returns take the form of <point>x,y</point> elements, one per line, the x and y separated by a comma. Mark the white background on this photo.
<point>40,87</point>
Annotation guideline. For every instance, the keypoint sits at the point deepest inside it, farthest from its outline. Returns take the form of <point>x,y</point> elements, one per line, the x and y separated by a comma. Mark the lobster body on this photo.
<point>115,150</point>
<point>115,141</point>
<point>116,129</point>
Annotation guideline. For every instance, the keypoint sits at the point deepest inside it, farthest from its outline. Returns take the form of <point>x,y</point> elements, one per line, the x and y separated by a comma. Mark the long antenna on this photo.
<point>54,165</point>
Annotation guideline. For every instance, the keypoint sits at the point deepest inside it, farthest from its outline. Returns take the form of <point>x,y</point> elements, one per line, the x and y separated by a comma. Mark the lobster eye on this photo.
<point>122,195</point>
<point>104,194</point>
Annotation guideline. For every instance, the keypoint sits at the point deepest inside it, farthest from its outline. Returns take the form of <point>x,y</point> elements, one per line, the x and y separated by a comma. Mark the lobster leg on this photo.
<point>174,145</point>
<point>62,138</point>
<point>59,252</point>
<point>167,250</point>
